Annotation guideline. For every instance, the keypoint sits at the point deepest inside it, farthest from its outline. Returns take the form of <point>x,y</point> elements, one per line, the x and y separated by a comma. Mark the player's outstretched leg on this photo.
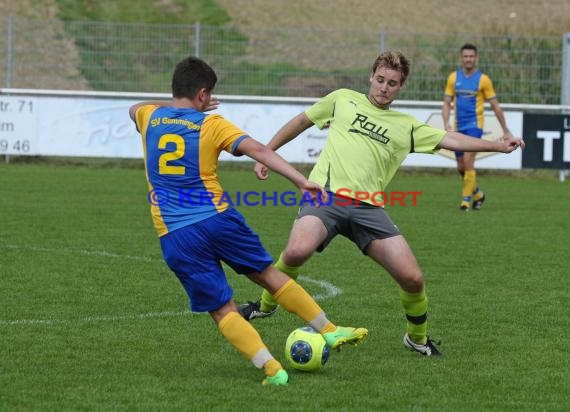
<point>296,300</point>
<point>266,305</point>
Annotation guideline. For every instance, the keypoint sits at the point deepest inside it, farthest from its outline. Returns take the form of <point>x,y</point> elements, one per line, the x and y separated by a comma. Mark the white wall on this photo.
<point>96,124</point>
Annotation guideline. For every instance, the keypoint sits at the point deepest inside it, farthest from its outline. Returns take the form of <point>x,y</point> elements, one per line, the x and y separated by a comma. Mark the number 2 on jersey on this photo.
<point>163,167</point>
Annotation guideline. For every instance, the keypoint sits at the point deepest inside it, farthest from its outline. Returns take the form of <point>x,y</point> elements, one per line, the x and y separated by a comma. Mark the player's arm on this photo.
<point>447,98</point>
<point>501,118</point>
<point>288,132</point>
<point>133,109</point>
<point>462,143</point>
<point>446,111</point>
<point>272,160</point>
<point>490,96</point>
<point>212,105</point>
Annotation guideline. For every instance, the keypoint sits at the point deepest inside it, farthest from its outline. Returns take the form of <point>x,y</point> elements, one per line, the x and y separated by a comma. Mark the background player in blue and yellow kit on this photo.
<point>470,89</point>
<point>198,231</point>
<point>366,144</point>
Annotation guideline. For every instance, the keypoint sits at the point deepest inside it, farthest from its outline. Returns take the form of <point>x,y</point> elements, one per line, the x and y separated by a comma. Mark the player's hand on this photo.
<point>508,136</point>
<point>513,144</point>
<point>318,194</point>
<point>212,104</point>
<point>261,171</point>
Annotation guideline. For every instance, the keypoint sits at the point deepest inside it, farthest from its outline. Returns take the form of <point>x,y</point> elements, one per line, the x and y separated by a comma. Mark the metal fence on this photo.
<point>104,56</point>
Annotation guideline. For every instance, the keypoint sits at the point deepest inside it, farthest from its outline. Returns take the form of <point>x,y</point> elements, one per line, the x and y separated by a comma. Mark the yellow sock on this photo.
<point>474,177</point>
<point>267,301</point>
<point>242,336</point>
<point>296,300</point>
<point>415,306</point>
<point>469,184</point>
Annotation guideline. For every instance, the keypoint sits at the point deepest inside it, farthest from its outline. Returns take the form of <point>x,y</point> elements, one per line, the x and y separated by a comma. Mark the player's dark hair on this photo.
<point>191,75</point>
<point>394,60</point>
<point>468,46</point>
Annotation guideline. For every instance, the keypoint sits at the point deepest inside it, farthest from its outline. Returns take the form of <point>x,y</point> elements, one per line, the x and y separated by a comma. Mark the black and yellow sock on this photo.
<point>243,336</point>
<point>267,301</point>
<point>415,306</point>
<point>477,194</point>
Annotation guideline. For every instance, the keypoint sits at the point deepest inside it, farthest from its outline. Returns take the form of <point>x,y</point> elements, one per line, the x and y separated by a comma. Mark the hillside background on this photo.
<point>521,17</point>
<point>54,51</point>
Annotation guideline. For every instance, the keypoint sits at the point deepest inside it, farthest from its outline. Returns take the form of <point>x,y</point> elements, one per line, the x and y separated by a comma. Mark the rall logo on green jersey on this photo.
<point>369,129</point>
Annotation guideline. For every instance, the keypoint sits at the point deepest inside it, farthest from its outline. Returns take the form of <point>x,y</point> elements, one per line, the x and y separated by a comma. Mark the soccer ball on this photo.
<point>306,349</point>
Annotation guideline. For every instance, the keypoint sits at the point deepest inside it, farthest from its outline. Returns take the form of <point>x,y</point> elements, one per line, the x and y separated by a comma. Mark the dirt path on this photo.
<point>54,62</point>
<point>523,17</point>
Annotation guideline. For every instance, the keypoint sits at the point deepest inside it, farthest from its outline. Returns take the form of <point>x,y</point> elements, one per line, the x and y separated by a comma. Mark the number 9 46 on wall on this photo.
<point>15,146</point>
<point>18,125</point>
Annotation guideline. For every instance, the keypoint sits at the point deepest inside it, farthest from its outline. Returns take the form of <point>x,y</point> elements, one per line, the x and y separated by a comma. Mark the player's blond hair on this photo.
<point>394,60</point>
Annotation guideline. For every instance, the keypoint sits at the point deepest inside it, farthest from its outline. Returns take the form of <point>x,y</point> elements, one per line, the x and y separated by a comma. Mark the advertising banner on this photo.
<point>547,141</point>
<point>86,126</point>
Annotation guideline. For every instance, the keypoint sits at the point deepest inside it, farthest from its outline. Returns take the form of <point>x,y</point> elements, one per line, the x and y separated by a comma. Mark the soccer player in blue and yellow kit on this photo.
<point>470,89</point>
<point>366,144</point>
<point>198,230</point>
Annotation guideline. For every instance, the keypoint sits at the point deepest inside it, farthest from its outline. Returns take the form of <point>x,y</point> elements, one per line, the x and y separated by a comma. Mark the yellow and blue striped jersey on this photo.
<point>469,95</point>
<point>181,148</point>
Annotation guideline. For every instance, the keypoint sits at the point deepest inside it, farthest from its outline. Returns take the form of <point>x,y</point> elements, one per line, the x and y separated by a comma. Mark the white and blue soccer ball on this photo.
<point>306,349</point>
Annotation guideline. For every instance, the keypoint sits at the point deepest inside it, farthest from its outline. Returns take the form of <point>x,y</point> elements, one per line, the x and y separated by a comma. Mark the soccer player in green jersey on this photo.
<point>366,144</point>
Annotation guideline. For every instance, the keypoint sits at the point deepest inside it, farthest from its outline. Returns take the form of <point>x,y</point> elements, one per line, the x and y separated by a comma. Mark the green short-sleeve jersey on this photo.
<point>365,145</point>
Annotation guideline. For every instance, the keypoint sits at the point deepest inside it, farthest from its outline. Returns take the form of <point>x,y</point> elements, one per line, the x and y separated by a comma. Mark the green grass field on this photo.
<point>92,319</point>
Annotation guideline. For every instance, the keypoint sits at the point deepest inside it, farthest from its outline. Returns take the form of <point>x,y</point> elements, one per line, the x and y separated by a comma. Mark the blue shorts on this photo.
<point>195,252</point>
<point>473,132</point>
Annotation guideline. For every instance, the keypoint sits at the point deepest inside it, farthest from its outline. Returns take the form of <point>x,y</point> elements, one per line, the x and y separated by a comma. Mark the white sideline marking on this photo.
<point>90,319</point>
<point>85,253</point>
<point>330,291</point>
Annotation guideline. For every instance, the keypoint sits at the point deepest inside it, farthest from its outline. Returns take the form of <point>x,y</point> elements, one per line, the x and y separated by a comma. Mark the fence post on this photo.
<point>9,53</point>
<point>197,39</point>
<point>9,64</point>
<point>565,92</point>
<point>382,45</point>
